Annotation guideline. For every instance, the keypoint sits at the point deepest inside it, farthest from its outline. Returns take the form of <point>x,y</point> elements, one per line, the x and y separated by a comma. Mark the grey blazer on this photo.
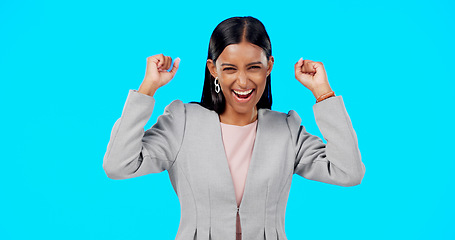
<point>187,142</point>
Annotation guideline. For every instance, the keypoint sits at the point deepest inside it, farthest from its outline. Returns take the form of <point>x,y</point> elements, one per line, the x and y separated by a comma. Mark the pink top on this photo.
<point>238,144</point>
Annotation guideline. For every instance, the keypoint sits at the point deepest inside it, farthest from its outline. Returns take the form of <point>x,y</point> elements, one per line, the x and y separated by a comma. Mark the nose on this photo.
<point>242,79</point>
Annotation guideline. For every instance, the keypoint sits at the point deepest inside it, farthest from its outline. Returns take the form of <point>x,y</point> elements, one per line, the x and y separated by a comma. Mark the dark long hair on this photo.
<point>232,31</point>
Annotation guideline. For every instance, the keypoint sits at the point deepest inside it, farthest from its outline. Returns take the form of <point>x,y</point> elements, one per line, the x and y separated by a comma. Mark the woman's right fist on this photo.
<point>156,74</point>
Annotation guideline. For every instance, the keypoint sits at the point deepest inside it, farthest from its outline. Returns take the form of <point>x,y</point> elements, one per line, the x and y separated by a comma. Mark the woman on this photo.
<point>230,158</point>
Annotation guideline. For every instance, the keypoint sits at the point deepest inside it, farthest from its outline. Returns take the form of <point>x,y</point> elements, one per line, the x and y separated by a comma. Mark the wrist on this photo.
<point>321,90</point>
<point>148,90</point>
<point>325,96</point>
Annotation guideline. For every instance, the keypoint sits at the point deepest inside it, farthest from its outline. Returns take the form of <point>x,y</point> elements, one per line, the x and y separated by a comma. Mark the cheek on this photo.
<point>226,83</point>
<point>228,78</point>
<point>259,79</point>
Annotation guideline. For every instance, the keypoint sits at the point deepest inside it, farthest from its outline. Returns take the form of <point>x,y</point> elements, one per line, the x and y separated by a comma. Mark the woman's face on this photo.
<point>242,71</point>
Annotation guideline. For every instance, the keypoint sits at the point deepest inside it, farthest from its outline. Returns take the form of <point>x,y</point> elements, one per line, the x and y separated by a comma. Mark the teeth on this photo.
<point>243,93</point>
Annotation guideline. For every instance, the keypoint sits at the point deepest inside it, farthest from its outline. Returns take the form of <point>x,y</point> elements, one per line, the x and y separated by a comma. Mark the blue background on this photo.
<point>66,68</point>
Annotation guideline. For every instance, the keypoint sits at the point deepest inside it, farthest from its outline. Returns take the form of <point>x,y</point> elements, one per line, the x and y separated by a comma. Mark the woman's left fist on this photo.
<point>313,76</point>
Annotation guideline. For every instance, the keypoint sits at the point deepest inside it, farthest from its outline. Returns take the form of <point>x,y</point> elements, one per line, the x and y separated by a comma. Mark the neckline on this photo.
<point>248,125</point>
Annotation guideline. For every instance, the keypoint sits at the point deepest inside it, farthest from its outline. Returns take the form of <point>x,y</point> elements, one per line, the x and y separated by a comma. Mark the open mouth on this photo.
<point>243,94</point>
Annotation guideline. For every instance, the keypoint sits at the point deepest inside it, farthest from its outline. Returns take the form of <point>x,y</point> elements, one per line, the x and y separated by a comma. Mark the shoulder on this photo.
<point>293,119</point>
<point>280,121</point>
<point>280,124</point>
<point>290,117</point>
<point>178,106</point>
<point>286,122</point>
<point>175,107</point>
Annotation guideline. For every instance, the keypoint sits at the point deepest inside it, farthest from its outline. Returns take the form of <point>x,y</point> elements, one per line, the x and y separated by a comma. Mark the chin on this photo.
<point>242,105</point>
<point>244,109</point>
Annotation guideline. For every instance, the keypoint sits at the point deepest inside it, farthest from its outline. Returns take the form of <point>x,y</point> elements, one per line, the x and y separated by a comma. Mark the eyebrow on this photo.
<point>228,64</point>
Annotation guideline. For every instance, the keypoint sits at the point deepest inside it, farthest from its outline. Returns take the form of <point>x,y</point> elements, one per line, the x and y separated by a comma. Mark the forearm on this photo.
<point>342,146</point>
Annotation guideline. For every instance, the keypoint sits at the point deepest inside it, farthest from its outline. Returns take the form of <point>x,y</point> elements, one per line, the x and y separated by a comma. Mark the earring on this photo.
<point>217,86</point>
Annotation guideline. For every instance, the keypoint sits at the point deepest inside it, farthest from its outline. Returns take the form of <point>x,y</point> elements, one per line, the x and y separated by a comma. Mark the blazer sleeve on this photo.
<point>131,152</point>
<point>338,162</point>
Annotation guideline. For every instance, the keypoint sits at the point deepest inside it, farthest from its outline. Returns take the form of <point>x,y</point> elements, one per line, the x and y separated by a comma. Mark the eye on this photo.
<point>257,67</point>
<point>228,68</point>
